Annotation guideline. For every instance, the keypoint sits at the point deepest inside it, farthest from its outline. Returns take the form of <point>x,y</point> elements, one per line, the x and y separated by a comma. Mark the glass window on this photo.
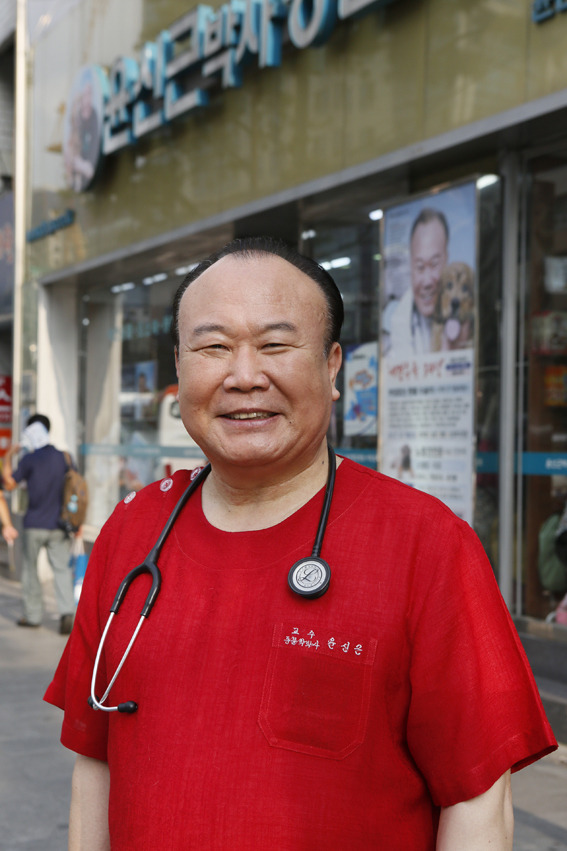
<point>544,438</point>
<point>350,252</point>
<point>345,238</point>
<point>133,431</point>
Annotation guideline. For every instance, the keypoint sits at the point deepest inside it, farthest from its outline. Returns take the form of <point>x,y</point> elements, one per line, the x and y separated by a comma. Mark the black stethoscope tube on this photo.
<point>331,473</point>
<point>308,577</point>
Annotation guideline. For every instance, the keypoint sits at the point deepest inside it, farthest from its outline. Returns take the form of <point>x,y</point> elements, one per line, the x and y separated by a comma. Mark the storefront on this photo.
<point>331,125</point>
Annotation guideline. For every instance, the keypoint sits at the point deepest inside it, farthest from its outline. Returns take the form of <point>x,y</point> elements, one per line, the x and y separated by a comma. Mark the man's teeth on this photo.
<point>255,415</point>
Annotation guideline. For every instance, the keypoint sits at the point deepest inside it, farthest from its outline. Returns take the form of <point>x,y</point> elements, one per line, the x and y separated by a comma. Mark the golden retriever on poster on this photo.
<point>453,320</point>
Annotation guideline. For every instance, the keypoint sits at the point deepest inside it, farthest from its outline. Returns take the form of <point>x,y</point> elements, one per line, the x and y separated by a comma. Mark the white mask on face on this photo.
<point>34,436</point>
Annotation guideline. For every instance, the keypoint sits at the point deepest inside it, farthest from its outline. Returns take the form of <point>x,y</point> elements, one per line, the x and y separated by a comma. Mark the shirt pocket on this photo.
<point>317,691</point>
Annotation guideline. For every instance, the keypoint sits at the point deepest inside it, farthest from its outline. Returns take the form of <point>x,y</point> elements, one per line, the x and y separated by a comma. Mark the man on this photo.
<point>412,320</point>
<point>43,468</point>
<point>385,713</point>
<point>89,138</point>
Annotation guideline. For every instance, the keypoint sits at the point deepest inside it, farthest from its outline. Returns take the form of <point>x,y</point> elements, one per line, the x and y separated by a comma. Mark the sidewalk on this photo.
<point>540,804</point>
<point>35,770</point>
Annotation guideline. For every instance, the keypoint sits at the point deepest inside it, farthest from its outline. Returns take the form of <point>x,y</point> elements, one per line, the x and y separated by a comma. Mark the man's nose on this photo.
<point>431,278</point>
<point>246,371</point>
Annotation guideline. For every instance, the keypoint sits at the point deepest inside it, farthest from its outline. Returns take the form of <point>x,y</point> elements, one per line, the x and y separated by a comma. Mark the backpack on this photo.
<point>552,569</point>
<point>75,499</point>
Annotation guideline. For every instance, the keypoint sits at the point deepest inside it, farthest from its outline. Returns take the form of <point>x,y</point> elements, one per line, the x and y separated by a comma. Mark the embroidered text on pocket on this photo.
<point>317,691</point>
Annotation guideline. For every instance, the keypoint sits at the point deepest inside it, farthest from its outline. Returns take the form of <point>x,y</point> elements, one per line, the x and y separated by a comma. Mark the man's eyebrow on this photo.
<point>212,327</point>
<point>422,259</point>
<point>208,328</point>
<point>279,326</point>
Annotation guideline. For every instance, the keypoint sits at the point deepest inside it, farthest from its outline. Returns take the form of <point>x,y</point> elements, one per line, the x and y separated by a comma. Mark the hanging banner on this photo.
<point>427,368</point>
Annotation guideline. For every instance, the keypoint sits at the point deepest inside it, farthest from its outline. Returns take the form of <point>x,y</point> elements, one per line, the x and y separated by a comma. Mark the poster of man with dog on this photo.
<point>427,339</point>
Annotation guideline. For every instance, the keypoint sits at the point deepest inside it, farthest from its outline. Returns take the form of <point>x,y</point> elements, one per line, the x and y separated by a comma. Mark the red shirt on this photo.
<point>267,720</point>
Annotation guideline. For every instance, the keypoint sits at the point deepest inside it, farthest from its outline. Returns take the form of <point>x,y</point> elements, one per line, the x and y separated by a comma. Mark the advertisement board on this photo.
<point>427,336</point>
<point>6,252</point>
<point>361,389</point>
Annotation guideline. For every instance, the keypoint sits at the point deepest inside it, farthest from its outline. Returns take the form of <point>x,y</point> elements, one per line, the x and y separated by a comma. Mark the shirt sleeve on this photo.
<point>21,471</point>
<point>475,709</point>
<point>123,540</point>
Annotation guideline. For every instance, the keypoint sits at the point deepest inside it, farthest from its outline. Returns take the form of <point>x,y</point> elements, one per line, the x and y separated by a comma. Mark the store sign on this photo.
<point>174,74</point>
<point>542,10</point>
<point>51,226</point>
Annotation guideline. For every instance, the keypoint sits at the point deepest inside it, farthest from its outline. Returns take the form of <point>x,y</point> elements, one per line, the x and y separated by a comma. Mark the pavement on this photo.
<point>35,770</point>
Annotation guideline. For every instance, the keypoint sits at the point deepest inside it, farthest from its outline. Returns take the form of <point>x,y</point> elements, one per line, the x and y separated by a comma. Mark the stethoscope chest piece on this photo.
<point>309,577</point>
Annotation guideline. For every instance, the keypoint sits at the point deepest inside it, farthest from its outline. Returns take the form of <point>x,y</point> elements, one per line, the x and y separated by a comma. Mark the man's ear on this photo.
<point>334,362</point>
<point>176,362</point>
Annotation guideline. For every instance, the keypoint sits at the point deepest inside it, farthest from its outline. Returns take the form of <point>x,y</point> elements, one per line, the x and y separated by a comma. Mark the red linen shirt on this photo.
<point>267,720</point>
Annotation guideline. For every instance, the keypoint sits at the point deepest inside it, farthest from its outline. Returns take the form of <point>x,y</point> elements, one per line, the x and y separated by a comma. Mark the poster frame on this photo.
<point>389,206</point>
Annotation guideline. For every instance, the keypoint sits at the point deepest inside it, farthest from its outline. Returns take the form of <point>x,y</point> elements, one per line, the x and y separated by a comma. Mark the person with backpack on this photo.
<point>43,468</point>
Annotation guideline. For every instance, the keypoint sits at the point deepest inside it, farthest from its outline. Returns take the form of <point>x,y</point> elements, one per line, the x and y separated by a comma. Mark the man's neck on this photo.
<point>234,505</point>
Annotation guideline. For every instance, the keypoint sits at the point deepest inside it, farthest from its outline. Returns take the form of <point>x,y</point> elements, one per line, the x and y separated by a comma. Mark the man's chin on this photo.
<point>426,311</point>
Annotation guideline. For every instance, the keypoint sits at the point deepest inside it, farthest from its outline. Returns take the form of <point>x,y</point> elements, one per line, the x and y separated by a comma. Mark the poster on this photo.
<point>427,335</point>
<point>6,253</point>
<point>361,389</point>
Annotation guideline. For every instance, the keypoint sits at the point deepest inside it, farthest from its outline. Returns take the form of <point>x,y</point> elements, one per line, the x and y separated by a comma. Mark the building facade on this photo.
<point>158,132</point>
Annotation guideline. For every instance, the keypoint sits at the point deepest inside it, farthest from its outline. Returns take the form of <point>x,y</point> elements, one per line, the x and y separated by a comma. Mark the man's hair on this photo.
<point>428,215</point>
<point>40,418</point>
<point>256,246</point>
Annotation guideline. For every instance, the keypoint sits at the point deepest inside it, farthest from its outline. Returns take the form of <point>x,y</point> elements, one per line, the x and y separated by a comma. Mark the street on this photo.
<point>35,770</point>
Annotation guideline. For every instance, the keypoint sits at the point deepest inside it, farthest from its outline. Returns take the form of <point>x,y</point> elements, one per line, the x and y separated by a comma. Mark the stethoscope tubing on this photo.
<point>149,565</point>
<point>332,472</point>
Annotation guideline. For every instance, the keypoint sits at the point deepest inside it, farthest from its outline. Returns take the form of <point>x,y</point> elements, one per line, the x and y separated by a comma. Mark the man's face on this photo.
<point>255,385</point>
<point>428,251</point>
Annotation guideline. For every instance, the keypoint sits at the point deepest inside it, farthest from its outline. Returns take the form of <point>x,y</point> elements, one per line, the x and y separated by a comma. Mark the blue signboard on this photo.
<point>174,74</point>
<point>542,10</point>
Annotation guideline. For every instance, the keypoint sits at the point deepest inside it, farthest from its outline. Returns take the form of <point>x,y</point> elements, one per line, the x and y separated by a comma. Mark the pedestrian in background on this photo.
<point>43,469</point>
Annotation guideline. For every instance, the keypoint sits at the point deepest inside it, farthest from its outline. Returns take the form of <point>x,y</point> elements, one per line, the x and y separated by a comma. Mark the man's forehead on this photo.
<point>256,279</point>
<point>429,231</point>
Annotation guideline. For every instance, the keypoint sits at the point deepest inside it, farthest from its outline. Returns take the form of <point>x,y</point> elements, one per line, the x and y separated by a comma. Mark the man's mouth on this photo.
<point>250,415</point>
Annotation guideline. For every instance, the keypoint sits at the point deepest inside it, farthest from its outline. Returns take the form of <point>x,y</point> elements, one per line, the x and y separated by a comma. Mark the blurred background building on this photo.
<point>153,132</point>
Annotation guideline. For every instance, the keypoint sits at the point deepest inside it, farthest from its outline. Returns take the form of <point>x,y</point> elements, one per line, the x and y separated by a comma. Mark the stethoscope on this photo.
<point>309,577</point>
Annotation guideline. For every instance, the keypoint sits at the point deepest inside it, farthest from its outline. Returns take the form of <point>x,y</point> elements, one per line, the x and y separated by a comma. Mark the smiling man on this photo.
<point>385,711</point>
<point>412,320</point>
